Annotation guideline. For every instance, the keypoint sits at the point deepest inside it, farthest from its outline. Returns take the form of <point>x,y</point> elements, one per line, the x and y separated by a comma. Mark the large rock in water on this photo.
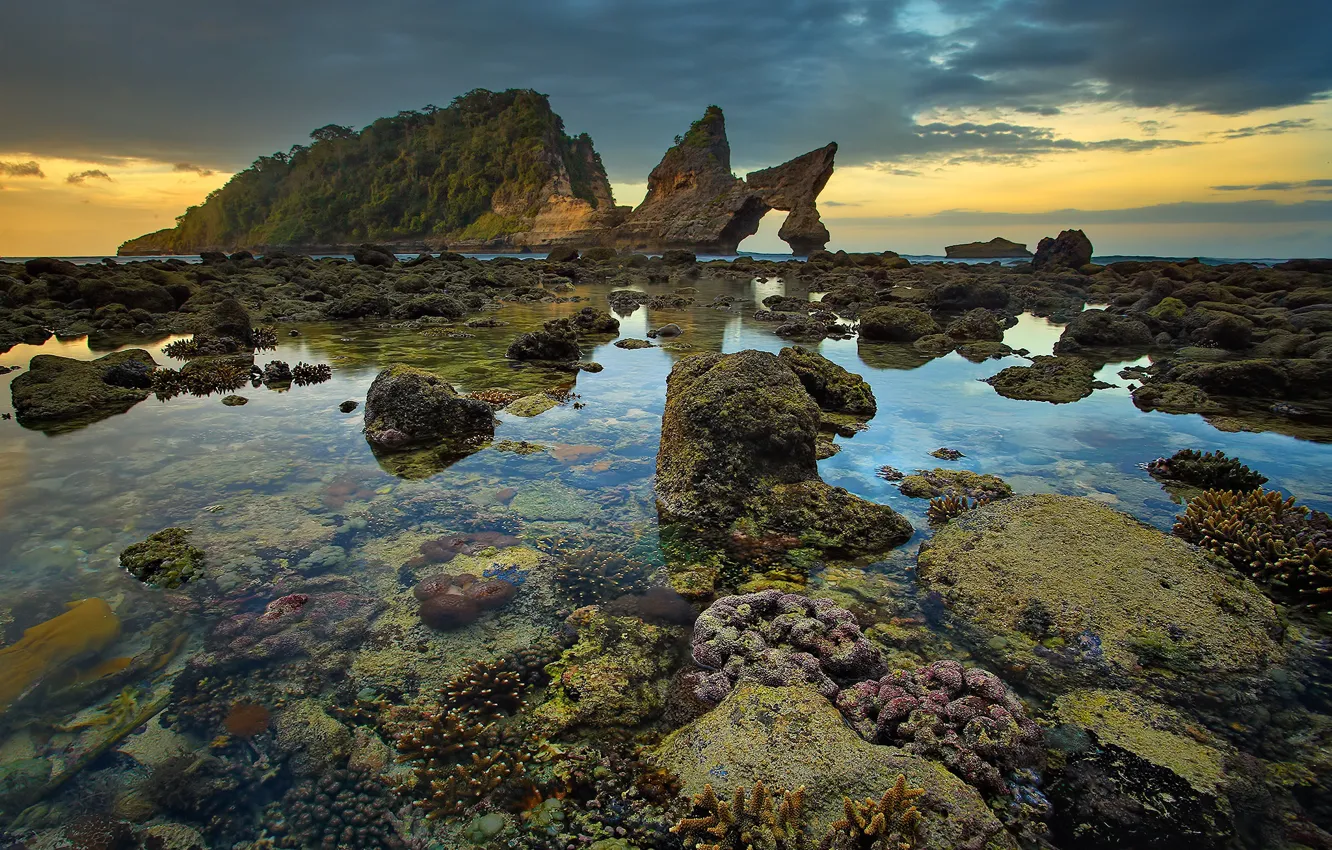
<point>408,407</point>
<point>1069,591</point>
<point>792,737</point>
<point>738,442</point>
<point>1070,249</point>
<point>996,248</point>
<point>833,388</point>
<point>1099,329</point>
<point>1058,380</point>
<point>64,391</point>
<point>695,202</point>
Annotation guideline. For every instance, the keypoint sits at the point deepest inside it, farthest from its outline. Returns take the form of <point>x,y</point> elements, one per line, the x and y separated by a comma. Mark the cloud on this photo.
<point>1012,144</point>
<point>1276,128</point>
<point>1299,185</point>
<point>21,169</point>
<point>90,174</point>
<point>189,168</point>
<point>633,75</point>
<point>1219,212</point>
<point>839,203</point>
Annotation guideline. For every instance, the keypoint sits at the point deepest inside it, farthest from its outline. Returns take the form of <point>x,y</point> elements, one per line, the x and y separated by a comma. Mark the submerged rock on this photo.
<point>739,443</point>
<point>165,559</point>
<point>1058,380</point>
<point>1070,591</point>
<point>408,407</point>
<point>58,390</point>
<point>792,737</point>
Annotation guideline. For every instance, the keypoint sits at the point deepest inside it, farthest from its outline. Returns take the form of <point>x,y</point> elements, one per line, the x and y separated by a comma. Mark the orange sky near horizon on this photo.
<point>873,207</point>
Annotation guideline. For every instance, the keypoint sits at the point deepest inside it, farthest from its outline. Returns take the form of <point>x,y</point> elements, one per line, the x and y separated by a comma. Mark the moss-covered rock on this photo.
<point>408,407</point>
<point>165,559</point>
<point>833,388</point>
<point>959,483</point>
<point>977,324</point>
<point>738,444</point>
<point>62,390</point>
<point>557,341</point>
<point>896,324</point>
<point>614,676</point>
<point>1058,380</point>
<point>1099,329</point>
<point>1071,591</point>
<point>792,737</point>
<point>531,405</point>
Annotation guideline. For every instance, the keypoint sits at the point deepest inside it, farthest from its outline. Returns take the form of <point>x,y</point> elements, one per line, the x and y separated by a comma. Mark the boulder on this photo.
<point>1058,380</point>
<point>557,340</point>
<point>1069,591</point>
<point>1099,329</point>
<point>368,254</point>
<point>592,321</point>
<point>228,318</point>
<point>62,390</point>
<point>958,483</point>
<point>408,407</point>
<point>896,324</point>
<point>562,254</point>
<point>738,442</point>
<point>834,389</point>
<point>39,266</point>
<point>1071,249</point>
<point>977,324</point>
<point>793,737</point>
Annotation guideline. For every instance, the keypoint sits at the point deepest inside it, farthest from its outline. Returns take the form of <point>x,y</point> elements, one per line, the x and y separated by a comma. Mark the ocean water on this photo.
<point>285,496</point>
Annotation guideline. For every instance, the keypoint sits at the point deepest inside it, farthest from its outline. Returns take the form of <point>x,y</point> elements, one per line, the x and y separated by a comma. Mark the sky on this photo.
<point>1163,127</point>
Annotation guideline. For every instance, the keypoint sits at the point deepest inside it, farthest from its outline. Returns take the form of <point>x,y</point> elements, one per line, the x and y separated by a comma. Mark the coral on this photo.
<point>779,639</point>
<point>757,820</point>
<point>88,627</point>
<point>1285,546</point>
<point>889,823</point>
<point>945,508</point>
<point>346,807</point>
<point>247,719</point>
<point>589,572</point>
<point>282,606</point>
<point>1206,471</point>
<point>450,601</point>
<point>965,718</point>
<point>495,397</point>
<point>441,550</point>
<point>485,691</point>
<point>304,374</point>
<point>962,483</point>
<point>614,676</point>
<point>100,832</point>
<point>165,559</point>
<point>201,378</point>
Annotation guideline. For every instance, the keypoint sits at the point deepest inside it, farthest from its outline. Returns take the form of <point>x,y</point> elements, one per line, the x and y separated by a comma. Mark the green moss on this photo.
<point>1058,380</point>
<point>959,483</point>
<point>1169,310</point>
<point>164,560</point>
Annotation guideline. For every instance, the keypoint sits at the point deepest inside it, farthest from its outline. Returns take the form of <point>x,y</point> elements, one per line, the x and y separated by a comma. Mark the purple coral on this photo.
<point>778,638</point>
<point>965,718</point>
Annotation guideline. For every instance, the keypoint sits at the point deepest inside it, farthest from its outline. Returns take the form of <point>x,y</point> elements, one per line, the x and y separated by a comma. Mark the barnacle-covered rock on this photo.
<point>777,639</point>
<point>792,737</point>
<point>1286,547</point>
<point>965,718</point>
<point>1069,590</point>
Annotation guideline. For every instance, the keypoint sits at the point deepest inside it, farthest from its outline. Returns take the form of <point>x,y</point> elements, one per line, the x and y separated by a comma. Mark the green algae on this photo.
<point>165,559</point>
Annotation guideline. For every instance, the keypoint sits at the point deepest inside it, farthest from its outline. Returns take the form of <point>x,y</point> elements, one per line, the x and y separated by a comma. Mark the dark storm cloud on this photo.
<point>90,174</point>
<point>1300,185</point>
<point>21,169</point>
<point>218,84</point>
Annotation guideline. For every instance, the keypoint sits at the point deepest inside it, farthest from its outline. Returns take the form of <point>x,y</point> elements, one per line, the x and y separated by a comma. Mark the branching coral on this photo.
<point>588,573</point>
<point>889,823</point>
<point>1285,546</point>
<point>758,820</point>
<point>303,374</point>
<point>200,380</point>
<point>965,718</point>
<point>1209,471</point>
<point>946,508</point>
<point>779,638</point>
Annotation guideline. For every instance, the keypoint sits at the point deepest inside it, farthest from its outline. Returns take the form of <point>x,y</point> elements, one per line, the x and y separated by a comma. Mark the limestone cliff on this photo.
<point>695,202</point>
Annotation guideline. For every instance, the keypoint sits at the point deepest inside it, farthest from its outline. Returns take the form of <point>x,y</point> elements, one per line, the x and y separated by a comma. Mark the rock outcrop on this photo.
<point>61,392</point>
<point>1071,249</point>
<point>738,448</point>
<point>695,202</point>
<point>407,407</point>
<point>997,248</point>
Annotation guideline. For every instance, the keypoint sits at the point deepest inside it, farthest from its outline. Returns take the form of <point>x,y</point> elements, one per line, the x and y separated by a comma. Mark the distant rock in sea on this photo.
<point>996,248</point>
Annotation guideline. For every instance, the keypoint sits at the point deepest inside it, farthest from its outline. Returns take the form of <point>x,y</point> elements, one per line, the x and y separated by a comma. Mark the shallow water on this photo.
<point>287,478</point>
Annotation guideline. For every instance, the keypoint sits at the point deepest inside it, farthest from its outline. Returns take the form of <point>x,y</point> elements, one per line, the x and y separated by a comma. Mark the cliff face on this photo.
<point>491,169</point>
<point>695,202</point>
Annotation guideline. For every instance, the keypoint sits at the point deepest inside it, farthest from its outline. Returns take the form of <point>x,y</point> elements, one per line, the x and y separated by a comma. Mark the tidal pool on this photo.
<point>285,496</point>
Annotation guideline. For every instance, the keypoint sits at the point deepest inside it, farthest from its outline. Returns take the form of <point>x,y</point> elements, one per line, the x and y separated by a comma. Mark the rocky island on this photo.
<point>493,172</point>
<point>997,248</point>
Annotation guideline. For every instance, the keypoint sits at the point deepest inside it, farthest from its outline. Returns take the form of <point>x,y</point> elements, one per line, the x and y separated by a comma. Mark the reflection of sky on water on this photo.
<point>71,502</point>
